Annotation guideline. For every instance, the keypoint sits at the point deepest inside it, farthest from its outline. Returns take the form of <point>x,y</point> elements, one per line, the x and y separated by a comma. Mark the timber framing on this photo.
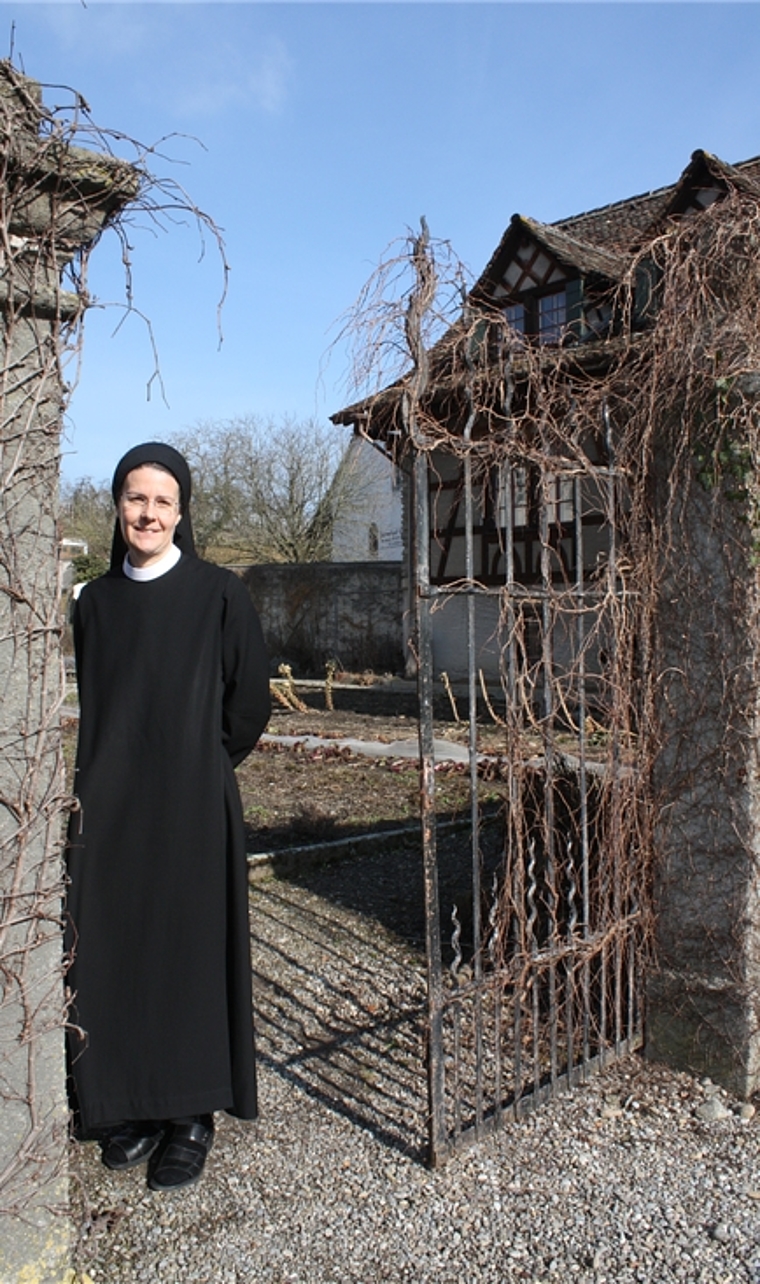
<point>592,257</point>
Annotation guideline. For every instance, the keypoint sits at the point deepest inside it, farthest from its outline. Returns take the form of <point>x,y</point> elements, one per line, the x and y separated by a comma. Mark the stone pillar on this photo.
<point>54,201</point>
<point>704,990</point>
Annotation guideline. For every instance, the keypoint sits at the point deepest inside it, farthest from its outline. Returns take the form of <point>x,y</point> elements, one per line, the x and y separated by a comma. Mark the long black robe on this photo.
<point>174,692</point>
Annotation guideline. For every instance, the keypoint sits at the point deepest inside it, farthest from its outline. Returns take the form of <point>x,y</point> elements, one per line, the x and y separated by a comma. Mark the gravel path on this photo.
<point>642,1175</point>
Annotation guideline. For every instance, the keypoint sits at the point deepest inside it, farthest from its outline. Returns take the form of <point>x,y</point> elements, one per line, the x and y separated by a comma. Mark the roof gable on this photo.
<point>533,255</point>
<point>705,180</point>
<point>624,225</point>
<point>595,248</point>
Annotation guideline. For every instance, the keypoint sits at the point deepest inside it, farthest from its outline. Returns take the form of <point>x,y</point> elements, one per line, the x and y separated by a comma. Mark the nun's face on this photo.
<point>149,512</point>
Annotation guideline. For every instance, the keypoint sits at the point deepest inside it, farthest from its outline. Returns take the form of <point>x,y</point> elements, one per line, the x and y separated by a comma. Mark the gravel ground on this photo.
<point>641,1175</point>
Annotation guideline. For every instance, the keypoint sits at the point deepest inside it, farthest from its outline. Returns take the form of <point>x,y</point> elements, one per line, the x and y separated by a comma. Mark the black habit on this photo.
<point>174,692</point>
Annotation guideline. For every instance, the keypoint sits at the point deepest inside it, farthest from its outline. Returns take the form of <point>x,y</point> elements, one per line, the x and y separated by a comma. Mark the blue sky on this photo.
<point>326,131</point>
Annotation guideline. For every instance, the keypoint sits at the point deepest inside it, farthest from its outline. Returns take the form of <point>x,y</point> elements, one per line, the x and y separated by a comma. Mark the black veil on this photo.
<point>155,452</point>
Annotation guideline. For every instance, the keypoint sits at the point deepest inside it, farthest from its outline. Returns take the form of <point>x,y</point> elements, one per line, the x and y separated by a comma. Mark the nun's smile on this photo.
<point>149,513</point>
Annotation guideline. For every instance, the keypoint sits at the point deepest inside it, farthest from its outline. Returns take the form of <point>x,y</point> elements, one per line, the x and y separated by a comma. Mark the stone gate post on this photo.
<point>704,991</point>
<point>54,201</point>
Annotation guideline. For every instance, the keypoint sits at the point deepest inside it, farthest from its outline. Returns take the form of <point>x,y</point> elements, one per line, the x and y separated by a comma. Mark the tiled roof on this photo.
<point>705,169</point>
<point>598,241</point>
<point>619,226</point>
<point>567,249</point>
<point>571,249</point>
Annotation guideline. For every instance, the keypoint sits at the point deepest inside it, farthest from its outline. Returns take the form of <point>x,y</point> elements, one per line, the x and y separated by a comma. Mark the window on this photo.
<point>523,503</point>
<point>543,316</point>
<point>552,316</point>
<point>559,499</point>
<point>512,497</point>
<point>515,314</point>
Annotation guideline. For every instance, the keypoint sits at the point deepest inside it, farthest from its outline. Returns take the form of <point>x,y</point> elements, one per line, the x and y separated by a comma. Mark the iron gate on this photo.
<point>534,963</point>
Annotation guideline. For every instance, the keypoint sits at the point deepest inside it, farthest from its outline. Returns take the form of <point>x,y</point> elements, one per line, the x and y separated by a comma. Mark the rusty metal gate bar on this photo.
<point>550,992</point>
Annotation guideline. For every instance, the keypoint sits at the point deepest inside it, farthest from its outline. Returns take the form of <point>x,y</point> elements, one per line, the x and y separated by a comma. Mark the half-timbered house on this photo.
<point>582,451</point>
<point>559,287</point>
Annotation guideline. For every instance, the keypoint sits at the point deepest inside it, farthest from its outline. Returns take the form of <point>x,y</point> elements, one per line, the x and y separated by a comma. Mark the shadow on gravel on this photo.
<point>385,884</point>
<point>340,1011</point>
<point>308,826</point>
<point>339,980</point>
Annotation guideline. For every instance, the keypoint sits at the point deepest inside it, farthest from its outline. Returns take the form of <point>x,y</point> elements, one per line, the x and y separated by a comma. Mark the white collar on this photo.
<point>169,559</point>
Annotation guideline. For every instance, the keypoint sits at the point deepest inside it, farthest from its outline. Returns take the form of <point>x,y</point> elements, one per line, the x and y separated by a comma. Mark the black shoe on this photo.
<point>181,1159</point>
<point>131,1144</point>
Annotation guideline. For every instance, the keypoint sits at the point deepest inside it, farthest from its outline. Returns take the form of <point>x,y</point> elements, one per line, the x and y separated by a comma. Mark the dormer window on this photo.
<point>515,314</point>
<point>552,316</point>
<point>543,317</point>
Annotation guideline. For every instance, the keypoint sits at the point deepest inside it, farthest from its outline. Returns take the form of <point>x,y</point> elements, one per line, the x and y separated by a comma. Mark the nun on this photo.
<point>174,693</point>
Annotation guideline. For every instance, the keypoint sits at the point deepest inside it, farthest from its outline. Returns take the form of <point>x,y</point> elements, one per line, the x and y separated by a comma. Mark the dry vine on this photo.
<point>56,200</point>
<point>654,428</point>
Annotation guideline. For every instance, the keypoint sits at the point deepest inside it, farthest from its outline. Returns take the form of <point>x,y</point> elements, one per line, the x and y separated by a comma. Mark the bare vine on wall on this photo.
<point>657,425</point>
<point>64,182</point>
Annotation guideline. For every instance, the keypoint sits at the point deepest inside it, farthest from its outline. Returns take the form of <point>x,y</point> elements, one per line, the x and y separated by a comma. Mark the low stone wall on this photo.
<point>313,612</point>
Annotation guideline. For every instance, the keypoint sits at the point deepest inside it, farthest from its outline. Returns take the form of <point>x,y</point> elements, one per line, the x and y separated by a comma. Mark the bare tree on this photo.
<point>268,490</point>
<point>87,513</point>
